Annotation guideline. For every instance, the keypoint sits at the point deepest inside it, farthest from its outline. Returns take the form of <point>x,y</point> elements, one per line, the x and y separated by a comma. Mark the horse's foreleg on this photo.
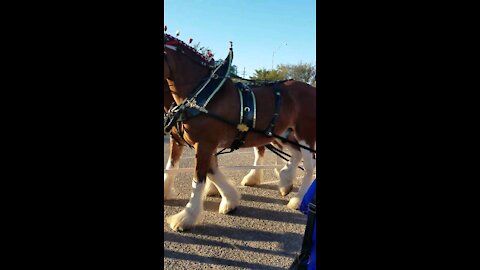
<point>289,171</point>
<point>186,218</point>
<point>309,164</point>
<point>230,195</point>
<point>172,163</point>
<point>255,176</point>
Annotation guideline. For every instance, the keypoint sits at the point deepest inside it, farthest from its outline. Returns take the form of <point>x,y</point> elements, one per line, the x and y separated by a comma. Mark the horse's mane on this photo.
<point>185,48</point>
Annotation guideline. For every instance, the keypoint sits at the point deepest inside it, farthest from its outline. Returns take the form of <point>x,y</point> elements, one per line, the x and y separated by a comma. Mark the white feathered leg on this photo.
<point>168,179</point>
<point>309,164</point>
<point>230,195</point>
<point>255,176</point>
<point>190,215</point>
<point>289,171</point>
<point>172,163</point>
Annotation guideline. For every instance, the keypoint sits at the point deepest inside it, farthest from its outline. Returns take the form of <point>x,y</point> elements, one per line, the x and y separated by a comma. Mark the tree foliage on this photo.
<point>303,72</point>
<point>267,75</point>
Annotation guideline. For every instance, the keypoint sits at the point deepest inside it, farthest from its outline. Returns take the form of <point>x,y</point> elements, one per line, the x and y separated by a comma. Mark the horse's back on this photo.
<point>297,106</point>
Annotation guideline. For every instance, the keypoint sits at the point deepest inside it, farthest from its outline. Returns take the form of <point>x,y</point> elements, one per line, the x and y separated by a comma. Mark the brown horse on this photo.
<point>184,72</point>
<point>253,178</point>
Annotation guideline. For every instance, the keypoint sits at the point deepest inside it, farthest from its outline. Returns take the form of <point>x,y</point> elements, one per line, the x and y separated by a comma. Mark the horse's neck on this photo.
<point>187,78</point>
<point>167,97</point>
<point>167,100</point>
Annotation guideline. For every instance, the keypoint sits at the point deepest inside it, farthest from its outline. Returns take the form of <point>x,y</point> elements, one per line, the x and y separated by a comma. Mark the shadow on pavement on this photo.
<point>249,212</point>
<point>286,217</point>
<point>245,234</point>
<point>254,198</point>
<point>216,261</point>
<point>285,240</point>
<point>210,206</point>
<point>273,187</point>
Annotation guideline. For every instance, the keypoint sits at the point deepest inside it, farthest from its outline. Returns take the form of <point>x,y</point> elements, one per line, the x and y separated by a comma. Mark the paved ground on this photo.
<point>261,234</point>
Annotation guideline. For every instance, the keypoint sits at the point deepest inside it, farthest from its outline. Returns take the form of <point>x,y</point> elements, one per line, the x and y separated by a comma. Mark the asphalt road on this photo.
<point>261,234</point>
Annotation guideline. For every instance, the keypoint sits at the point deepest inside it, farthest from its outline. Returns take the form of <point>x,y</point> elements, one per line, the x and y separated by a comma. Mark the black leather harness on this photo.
<point>248,111</point>
<point>248,116</point>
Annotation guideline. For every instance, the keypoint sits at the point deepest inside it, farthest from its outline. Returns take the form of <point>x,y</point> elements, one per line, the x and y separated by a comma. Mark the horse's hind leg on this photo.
<point>309,164</point>
<point>230,195</point>
<point>172,163</point>
<point>186,218</point>
<point>210,188</point>
<point>289,171</point>
<point>255,176</point>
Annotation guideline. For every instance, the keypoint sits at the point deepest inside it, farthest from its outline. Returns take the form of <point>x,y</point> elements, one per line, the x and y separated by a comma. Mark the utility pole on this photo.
<point>243,72</point>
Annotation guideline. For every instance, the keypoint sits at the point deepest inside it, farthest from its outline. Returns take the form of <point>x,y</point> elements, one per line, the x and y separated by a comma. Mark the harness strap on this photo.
<point>271,126</point>
<point>181,133</point>
<point>280,153</point>
<point>248,113</point>
<point>177,141</point>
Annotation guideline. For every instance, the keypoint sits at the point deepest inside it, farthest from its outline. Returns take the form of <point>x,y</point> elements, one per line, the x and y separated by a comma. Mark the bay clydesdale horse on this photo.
<point>208,128</point>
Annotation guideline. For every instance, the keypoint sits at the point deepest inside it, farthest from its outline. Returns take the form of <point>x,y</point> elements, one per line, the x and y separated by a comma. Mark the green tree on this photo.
<point>234,70</point>
<point>267,75</point>
<point>303,72</point>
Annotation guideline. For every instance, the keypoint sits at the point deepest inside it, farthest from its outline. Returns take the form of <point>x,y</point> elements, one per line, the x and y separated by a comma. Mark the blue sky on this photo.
<point>257,28</point>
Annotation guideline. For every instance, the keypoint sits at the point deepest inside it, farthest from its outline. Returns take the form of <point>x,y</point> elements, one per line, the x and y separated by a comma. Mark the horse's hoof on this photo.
<point>284,191</point>
<point>226,210</point>
<point>294,203</point>
<point>181,221</point>
<point>251,179</point>
<point>168,195</point>
<point>227,207</point>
